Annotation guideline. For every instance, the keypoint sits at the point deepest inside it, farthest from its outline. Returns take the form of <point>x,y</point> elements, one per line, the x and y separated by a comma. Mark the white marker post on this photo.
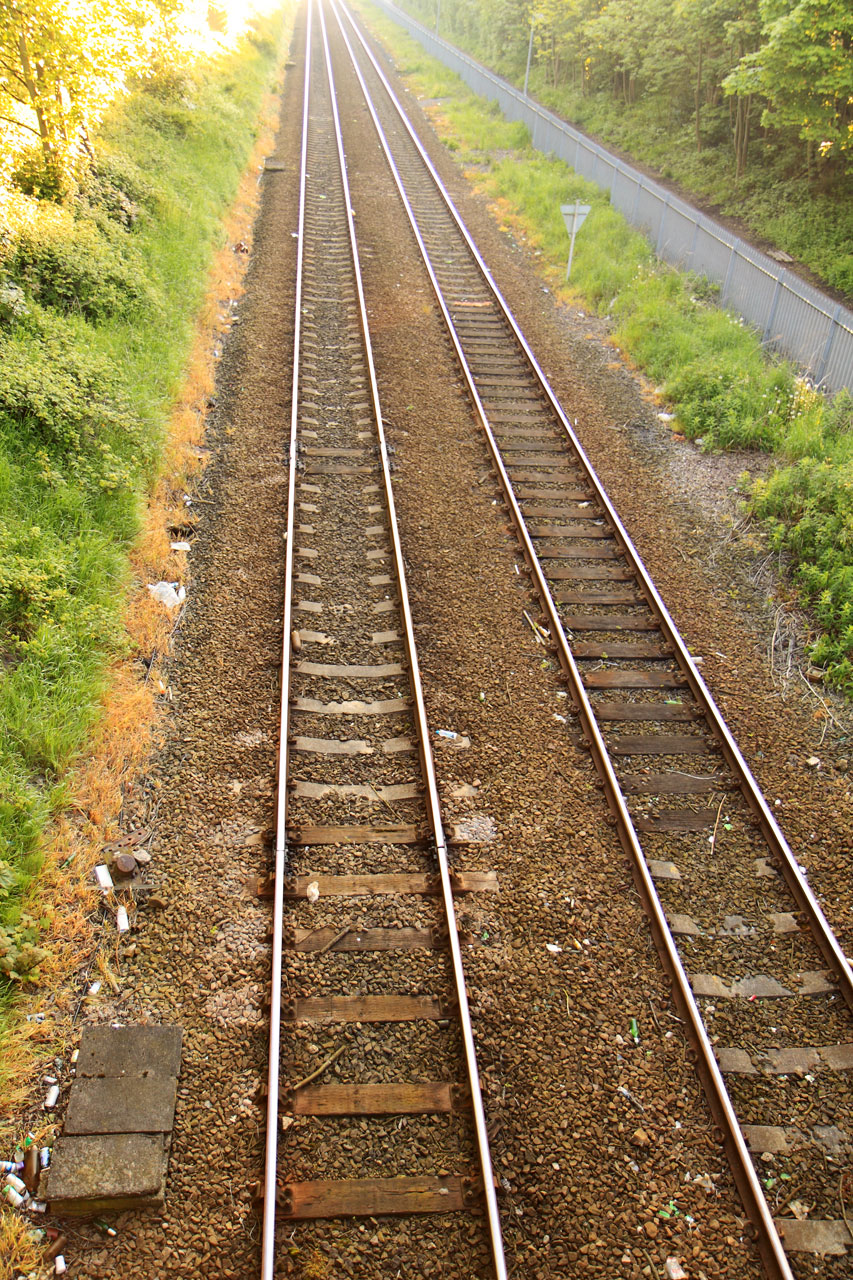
<point>574,216</point>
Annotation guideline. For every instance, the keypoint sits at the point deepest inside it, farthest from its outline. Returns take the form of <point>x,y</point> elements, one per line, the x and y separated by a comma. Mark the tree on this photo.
<point>63,61</point>
<point>804,70</point>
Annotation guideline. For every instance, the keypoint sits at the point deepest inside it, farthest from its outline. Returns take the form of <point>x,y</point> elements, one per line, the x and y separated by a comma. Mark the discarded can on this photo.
<point>13,1197</point>
<point>12,1180</point>
<point>44,1157</point>
<point>56,1246</point>
<point>32,1170</point>
<point>51,1098</point>
<point>37,1206</point>
<point>103,877</point>
<point>11,1166</point>
<point>122,921</point>
<point>59,1267</point>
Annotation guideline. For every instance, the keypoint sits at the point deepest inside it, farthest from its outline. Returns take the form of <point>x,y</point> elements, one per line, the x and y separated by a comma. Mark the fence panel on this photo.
<point>792,316</point>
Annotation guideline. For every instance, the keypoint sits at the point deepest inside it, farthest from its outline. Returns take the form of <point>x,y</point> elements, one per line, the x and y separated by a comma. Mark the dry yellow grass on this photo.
<point>124,740</point>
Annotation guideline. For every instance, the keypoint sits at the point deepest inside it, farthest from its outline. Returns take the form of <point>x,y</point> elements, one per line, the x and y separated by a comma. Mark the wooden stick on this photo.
<point>321,951</point>
<point>322,1067</point>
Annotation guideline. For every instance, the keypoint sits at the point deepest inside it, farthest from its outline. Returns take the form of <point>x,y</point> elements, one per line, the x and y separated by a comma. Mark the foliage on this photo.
<point>20,956</point>
<point>68,263</point>
<point>804,72</point>
<point>62,62</point>
<point>808,510</point>
<point>97,299</point>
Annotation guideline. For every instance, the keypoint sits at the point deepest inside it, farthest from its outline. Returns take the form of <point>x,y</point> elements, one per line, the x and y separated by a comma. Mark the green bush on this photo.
<point>70,265</point>
<point>20,955</point>
<point>808,508</point>
<point>67,407</point>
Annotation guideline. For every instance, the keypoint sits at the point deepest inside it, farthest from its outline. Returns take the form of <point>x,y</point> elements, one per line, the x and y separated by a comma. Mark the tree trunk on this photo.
<point>697,93</point>
<point>741,138</point>
<point>32,89</point>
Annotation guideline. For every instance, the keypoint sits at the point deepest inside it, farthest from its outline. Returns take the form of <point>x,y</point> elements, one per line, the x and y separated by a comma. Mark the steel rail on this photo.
<point>271,1150</point>
<point>424,748</point>
<point>806,901</point>
<point>749,1187</point>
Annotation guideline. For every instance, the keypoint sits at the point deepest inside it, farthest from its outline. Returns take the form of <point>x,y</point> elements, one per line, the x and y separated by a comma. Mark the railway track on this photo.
<point>369,1017</point>
<point>757,975</point>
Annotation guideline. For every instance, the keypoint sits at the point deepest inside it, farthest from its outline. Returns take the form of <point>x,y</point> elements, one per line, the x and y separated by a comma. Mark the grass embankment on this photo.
<point>98,299</point>
<point>712,370</point>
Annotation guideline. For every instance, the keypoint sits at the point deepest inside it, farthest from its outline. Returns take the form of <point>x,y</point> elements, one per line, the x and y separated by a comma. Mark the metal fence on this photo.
<point>792,317</point>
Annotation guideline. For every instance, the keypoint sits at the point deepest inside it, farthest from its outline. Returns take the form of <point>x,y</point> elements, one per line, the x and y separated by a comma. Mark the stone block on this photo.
<point>823,1237</point>
<point>767,1137</point>
<point>130,1051</point>
<point>129,1104</point>
<point>107,1172</point>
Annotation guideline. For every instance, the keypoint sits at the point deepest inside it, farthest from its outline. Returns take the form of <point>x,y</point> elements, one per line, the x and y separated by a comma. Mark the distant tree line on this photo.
<point>731,67</point>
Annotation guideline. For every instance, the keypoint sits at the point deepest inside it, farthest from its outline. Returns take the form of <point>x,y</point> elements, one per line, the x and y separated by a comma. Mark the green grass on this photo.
<point>98,297</point>
<point>725,391</point>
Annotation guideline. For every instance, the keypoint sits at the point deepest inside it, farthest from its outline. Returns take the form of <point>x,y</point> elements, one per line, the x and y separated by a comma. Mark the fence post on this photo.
<point>660,228</point>
<point>729,269</point>
<point>773,305</point>
<point>827,349</point>
<point>637,199</point>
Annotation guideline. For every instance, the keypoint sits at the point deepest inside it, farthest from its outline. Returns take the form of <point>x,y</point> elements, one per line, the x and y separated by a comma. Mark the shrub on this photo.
<point>808,510</point>
<point>68,264</point>
<point>20,956</point>
<point>68,407</point>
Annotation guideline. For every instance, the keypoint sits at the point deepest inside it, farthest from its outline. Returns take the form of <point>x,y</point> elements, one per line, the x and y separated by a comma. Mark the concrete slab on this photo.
<point>684,924</point>
<point>660,870</point>
<point>783,922</point>
<point>107,1172</point>
<point>130,1051</point>
<point>785,1062</point>
<point>821,1236</point>
<point>838,1057</point>
<point>708,984</point>
<point>139,1104</point>
<point>767,1137</point>
<point>761,986</point>
<point>815,982</point>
